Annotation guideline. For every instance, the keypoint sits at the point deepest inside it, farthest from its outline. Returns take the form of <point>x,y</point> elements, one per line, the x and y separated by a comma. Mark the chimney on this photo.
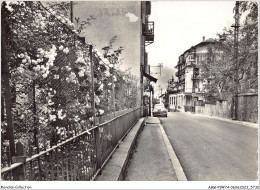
<point>203,38</point>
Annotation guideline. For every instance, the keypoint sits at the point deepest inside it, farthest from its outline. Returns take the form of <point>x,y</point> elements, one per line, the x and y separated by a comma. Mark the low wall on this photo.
<point>247,108</point>
<point>219,110</point>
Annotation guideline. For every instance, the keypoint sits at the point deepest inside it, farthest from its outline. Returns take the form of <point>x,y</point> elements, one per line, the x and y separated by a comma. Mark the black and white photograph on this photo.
<point>129,94</point>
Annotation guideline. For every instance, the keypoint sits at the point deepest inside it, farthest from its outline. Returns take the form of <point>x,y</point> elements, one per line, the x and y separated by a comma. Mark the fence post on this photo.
<point>98,148</point>
<point>96,131</point>
<point>19,172</point>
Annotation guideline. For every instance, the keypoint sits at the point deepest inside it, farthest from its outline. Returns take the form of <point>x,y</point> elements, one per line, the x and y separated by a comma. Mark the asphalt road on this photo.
<point>213,150</point>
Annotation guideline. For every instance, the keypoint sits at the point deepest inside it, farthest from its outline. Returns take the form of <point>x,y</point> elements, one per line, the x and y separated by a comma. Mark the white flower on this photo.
<point>24,61</point>
<point>80,60</point>
<point>39,60</point>
<point>97,100</point>
<point>43,24</point>
<point>111,65</point>
<point>44,75</point>
<point>37,68</point>
<point>52,117</point>
<point>8,7</point>
<point>20,70</point>
<point>68,68</point>
<point>27,57</point>
<point>107,73</point>
<point>101,87</point>
<point>56,76</point>
<point>101,111</point>
<point>60,116</point>
<point>34,61</point>
<point>61,47</point>
<point>66,50</point>
<point>50,102</point>
<point>81,73</point>
<point>21,55</point>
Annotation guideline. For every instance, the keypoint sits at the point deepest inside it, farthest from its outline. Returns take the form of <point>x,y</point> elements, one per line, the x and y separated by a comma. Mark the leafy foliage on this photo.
<point>50,77</point>
<point>219,67</point>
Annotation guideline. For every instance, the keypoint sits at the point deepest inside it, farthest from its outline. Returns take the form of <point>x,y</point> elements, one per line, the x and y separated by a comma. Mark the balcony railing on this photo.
<point>196,77</point>
<point>148,32</point>
<point>195,90</point>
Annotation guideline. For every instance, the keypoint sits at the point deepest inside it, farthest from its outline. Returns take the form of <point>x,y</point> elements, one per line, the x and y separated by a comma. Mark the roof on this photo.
<point>205,42</point>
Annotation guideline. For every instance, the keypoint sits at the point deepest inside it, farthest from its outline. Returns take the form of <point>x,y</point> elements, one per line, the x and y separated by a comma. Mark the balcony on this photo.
<point>148,32</point>
<point>196,77</point>
<point>182,80</point>
<point>195,90</point>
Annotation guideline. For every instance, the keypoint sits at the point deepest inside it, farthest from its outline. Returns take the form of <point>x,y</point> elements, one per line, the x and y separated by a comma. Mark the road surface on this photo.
<point>213,150</point>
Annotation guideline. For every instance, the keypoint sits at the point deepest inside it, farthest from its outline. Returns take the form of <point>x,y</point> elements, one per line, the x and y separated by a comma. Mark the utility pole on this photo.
<point>236,82</point>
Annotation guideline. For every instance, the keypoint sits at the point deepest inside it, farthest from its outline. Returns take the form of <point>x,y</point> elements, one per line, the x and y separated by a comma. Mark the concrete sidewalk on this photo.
<point>151,160</point>
<point>145,155</point>
<point>115,168</point>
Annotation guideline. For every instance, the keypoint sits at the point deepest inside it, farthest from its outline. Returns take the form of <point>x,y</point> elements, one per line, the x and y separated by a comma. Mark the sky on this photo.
<point>180,25</point>
<point>113,18</point>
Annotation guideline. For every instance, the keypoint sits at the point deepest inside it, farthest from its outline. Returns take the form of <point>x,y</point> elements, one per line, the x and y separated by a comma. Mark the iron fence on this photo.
<point>78,158</point>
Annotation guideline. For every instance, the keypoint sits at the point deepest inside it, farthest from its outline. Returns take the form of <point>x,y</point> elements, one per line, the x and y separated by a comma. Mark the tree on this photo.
<point>219,66</point>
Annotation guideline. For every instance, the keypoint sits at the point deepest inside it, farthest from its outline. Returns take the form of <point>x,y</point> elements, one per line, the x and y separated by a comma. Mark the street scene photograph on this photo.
<point>136,94</point>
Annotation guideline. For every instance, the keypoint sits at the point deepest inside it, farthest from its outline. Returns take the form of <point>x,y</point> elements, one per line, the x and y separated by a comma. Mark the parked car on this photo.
<point>159,110</point>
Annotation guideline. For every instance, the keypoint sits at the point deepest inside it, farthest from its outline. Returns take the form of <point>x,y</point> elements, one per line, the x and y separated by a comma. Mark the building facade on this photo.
<point>189,90</point>
<point>147,38</point>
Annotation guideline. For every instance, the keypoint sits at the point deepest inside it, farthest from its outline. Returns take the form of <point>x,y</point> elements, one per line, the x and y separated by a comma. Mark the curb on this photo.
<point>115,169</point>
<point>174,160</point>
<point>245,123</point>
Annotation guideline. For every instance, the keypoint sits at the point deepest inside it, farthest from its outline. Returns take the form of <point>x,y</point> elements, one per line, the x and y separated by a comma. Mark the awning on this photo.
<point>151,78</point>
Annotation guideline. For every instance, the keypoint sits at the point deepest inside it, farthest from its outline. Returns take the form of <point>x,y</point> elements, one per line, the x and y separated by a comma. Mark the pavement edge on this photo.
<point>175,161</point>
<point>116,167</point>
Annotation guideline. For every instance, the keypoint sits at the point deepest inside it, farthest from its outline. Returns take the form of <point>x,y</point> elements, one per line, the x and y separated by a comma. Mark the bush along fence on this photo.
<point>64,106</point>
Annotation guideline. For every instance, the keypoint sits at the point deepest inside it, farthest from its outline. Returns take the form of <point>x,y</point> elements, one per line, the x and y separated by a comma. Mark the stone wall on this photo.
<point>221,109</point>
<point>247,108</point>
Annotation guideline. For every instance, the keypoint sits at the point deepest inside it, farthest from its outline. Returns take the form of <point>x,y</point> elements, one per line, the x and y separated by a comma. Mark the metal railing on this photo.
<point>80,157</point>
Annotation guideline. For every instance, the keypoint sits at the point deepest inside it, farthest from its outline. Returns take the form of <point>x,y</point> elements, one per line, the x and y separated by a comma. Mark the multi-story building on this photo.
<point>189,89</point>
<point>147,38</point>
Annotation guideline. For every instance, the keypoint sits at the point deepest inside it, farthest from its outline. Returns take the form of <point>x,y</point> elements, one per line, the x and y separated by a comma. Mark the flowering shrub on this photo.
<point>50,77</point>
